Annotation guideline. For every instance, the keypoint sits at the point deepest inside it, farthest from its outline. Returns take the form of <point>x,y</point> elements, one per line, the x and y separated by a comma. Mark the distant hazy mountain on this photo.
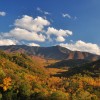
<point>53,52</point>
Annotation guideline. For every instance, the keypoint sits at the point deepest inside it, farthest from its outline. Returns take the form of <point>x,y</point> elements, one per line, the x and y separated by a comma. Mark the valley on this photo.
<point>24,76</point>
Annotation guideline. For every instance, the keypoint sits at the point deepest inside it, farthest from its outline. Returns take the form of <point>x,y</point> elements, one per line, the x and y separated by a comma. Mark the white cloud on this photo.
<point>44,12</point>
<point>31,24</point>
<point>23,34</point>
<point>32,29</point>
<point>82,46</point>
<point>2,13</point>
<point>33,44</point>
<point>71,41</point>
<point>60,34</point>
<point>7,42</point>
<point>28,28</point>
<point>60,39</point>
<point>39,9</point>
<point>69,16</point>
<point>66,16</point>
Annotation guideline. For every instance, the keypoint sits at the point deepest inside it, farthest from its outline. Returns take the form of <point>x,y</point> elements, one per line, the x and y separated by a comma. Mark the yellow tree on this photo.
<point>6,83</point>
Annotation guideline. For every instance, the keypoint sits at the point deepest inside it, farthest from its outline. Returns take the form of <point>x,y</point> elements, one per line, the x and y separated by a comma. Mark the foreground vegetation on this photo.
<point>25,78</point>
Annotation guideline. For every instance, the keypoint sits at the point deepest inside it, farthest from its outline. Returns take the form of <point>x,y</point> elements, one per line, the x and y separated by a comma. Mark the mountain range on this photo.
<point>53,52</point>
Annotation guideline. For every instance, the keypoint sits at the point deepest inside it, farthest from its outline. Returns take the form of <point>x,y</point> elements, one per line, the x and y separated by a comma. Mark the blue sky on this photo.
<point>81,17</point>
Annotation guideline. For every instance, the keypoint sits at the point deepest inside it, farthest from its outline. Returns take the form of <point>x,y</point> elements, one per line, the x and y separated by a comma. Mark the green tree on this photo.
<point>58,95</point>
<point>24,91</point>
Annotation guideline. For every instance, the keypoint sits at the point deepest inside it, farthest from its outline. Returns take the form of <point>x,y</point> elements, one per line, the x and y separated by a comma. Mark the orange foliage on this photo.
<point>54,82</point>
<point>91,81</point>
<point>6,83</point>
<point>30,77</point>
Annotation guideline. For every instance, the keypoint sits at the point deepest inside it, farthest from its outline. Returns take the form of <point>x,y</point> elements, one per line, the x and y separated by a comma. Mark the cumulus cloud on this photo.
<point>7,42</point>
<point>33,44</point>
<point>23,34</point>
<point>29,29</point>
<point>44,12</point>
<point>60,34</point>
<point>2,13</point>
<point>66,16</point>
<point>60,39</point>
<point>82,46</point>
<point>31,24</point>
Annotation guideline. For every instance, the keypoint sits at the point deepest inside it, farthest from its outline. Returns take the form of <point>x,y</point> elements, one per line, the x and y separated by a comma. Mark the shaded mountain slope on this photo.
<point>90,69</point>
<point>68,63</point>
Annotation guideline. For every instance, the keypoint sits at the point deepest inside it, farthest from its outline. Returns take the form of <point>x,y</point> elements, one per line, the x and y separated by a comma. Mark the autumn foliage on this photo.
<point>27,78</point>
<point>6,83</point>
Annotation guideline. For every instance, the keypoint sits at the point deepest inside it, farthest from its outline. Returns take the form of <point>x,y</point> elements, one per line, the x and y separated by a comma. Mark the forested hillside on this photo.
<point>24,77</point>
